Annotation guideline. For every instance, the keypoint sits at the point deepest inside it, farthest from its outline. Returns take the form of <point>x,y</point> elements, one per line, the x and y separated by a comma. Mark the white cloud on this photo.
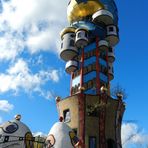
<point>11,46</point>
<point>19,76</point>
<point>5,106</point>
<point>19,67</point>
<point>39,60</point>
<point>131,134</point>
<point>47,94</point>
<point>35,23</point>
<point>54,75</point>
<point>1,120</point>
<point>21,13</point>
<point>39,134</point>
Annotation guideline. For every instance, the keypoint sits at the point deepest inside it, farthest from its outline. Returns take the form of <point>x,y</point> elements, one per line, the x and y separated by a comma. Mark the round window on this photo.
<point>10,127</point>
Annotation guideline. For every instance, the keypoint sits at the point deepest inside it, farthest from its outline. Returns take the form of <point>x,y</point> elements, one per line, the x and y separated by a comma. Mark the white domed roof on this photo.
<point>13,133</point>
<point>61,136</point>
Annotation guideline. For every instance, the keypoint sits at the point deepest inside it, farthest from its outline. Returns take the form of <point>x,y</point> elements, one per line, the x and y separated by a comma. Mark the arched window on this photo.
<point>79,34</point>
<point>67,116</point>
<point>112,70</point>
<point>103,55</point>
<point>92,142</point>
<point>89,68</point>
<point>71,43</point>
<point>61,45</point>
<point>86,34</point>
<point>89,84</point>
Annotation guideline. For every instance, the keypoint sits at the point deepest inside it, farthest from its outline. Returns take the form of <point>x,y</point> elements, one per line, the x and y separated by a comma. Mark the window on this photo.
<point>28,140</point>
<point>76,73</point>
<point>92,142</point>
<point>89,68</point>
<point>112,70</point>
<point>85,86</point>
<point>61,45</point>
<point>74,90</point>
<point>94,52</point>
<point>79,34</point>
<point>72,43</point>
<point>79,57</point>
<point>91,53</point>
<point>86,34</point>
<point>110,49</point>
<point>94,82</point>
<point>6,139</point>
<point>103,55</point>
<point>85,70</point>
<point>94,66</point>
<point>66,114</point>
<point>77,88</point>
<point>111,143</point>
<point>90,84</point>
<point>72,35</point>
<point>120,119</point>
<point>111,29</point>
<point>10,127</point>
<point>86,56</point>
<point>104,70</point>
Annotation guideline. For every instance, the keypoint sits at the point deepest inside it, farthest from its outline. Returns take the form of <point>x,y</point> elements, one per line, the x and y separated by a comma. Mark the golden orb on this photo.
<point>76,12</point>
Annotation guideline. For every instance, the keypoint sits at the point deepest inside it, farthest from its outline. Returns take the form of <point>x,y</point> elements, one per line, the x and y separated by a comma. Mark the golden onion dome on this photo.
<point>76,12</point>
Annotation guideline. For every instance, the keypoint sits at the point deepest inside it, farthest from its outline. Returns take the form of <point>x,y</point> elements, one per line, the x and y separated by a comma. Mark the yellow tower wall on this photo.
<point>92,122</point>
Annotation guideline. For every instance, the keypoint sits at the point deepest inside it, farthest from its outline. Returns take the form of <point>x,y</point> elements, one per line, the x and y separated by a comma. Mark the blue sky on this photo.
<point>32,74</point>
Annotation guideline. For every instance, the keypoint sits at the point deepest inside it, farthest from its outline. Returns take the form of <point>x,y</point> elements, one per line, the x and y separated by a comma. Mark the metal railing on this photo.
<point>32,142</point>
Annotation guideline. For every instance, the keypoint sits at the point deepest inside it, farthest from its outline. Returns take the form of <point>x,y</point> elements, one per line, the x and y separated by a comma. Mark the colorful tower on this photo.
<point>88,49</point>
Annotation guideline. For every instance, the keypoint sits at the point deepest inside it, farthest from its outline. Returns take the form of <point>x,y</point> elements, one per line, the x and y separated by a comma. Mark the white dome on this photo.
<point>13,133</point>
<point>61,136</point>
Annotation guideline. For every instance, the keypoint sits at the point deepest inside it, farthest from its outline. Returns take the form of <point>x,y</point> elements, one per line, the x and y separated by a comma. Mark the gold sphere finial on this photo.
<point>78,11</point>
<point>17,117</point>
<point>103,89</point>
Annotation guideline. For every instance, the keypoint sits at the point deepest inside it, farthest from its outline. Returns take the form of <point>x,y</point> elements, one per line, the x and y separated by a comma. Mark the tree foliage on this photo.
<point>118,91</point>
